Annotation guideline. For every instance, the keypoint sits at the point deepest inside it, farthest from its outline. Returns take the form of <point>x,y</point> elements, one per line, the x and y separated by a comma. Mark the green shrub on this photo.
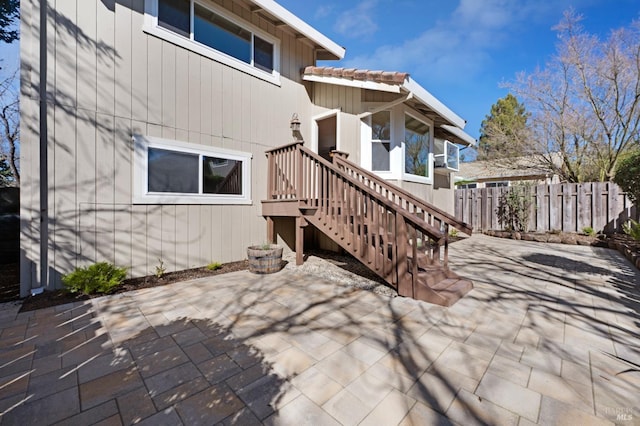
<point>213,266</point>
<point>513,208</point>
<point>632,228</point>
<point>628,175</point>
<point>587,230</point>
<point>101,277</point>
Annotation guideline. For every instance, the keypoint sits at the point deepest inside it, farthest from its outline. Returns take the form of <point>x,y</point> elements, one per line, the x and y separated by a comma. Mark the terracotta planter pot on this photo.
<point>264,260</point>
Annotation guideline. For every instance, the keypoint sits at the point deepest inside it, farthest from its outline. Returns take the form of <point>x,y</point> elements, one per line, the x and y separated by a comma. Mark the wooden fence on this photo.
<point>568,207</point>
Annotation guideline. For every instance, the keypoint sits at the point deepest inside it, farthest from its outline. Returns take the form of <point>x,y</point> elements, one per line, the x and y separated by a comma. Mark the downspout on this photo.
<point>44,156</point>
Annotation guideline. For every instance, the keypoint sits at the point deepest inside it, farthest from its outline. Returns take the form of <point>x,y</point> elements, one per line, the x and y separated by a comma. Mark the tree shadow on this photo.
<point>564,263</point>
<point>192,371</point>
<point>571,308</point>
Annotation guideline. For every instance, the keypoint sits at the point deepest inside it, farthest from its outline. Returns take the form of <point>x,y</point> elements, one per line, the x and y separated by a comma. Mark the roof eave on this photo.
<point>463,138</point>
<point>432,103</point>
<point>330,49</point>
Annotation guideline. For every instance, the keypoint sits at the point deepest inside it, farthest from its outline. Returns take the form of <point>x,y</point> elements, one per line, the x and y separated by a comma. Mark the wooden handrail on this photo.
<point>431,230</point>
<point>282,147</point>
<point>398,236</point>
<point>377,222</point>
<point>434,211</point>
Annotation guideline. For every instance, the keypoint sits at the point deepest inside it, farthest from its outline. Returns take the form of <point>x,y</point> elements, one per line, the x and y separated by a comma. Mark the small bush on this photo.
<point>453,232</point>
<point>101,277</point>
<point>160,269</point>
<point>632,228</point>
<point>213,266</point>
<point>587,230</point>
<point>513,208</point>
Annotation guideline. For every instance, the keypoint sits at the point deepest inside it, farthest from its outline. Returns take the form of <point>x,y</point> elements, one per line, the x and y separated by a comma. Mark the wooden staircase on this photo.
<point>398,236</point>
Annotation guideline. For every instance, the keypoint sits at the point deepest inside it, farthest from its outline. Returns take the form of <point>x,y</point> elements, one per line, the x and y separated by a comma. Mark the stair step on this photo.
<point>432,276</point>
<point>444,293</point>
<point>447,282</point>
<point>455,291</point>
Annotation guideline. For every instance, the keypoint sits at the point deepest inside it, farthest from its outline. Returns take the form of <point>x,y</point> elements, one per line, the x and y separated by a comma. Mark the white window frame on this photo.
<point>397,146</point>
<point>381,141</point>
<point>445,158</point>
<point>141,173</point>
<point>151,27</point>
<point>430,160</point>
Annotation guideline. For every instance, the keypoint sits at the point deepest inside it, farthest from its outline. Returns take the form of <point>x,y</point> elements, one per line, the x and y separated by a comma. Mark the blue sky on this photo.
<point>459,50</point>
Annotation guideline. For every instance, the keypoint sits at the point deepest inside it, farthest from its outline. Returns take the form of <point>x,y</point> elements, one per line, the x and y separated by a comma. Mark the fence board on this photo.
<point>565,207</point>
<point>584,206</point>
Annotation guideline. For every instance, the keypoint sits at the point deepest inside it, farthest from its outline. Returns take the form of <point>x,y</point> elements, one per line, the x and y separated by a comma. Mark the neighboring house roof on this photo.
<point>448,124</point>
<point>517,168</point>
<point>281,17</point>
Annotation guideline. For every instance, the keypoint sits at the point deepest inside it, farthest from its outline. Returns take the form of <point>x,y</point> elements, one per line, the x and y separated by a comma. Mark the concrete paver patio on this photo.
<point>549,335</point>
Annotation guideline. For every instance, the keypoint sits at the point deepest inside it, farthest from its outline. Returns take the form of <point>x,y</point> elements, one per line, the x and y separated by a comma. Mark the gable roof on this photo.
<point>281,17</point>
<point>448,124</point>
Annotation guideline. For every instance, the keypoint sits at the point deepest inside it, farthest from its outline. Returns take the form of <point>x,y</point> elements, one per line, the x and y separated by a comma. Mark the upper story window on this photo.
<point>213,32</point>
<point>380,140</point>
<point>416,147</point>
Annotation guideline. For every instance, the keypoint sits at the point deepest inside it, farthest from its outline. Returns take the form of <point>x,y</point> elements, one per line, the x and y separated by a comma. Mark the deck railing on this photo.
<point>380,224</point>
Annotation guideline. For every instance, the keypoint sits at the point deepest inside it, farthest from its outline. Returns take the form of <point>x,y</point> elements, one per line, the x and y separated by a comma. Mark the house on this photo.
<point>145,125</point>
<point>502,173</point>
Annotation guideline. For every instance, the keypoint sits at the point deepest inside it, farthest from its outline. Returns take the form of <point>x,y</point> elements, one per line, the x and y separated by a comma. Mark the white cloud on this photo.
<point>359,21</point>
<point>460,45</point>
<point>324,11</point>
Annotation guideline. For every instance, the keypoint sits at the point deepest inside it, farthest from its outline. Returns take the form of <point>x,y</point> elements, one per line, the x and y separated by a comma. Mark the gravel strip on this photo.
<point>340,269</point>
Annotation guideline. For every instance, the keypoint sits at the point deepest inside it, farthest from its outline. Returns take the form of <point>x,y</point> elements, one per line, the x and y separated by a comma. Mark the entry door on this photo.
<point>327,135</point>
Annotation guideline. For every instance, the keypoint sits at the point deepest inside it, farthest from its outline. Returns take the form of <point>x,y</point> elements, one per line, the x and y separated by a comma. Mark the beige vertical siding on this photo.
<point>106,81</point>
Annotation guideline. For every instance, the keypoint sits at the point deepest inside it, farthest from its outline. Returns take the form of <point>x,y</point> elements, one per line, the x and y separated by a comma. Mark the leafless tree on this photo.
<point>585,103</point>
<point>10,130</point>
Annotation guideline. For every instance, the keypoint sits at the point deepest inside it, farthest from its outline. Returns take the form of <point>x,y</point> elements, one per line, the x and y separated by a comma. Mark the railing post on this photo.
<point>301,222</point>
<point>405,284</point>
<point>270,175</point>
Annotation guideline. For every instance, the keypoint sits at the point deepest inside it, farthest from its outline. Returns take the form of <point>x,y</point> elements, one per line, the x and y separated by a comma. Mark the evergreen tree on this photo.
<point>9,13</point>
<point>504,131</point>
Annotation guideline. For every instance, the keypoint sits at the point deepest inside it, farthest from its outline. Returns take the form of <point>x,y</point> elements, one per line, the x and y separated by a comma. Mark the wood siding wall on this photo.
<point>107,80</point>
<point>565,207</point>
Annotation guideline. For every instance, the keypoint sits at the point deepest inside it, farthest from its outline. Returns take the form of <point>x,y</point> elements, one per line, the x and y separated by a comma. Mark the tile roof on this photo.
<point>387,77</point>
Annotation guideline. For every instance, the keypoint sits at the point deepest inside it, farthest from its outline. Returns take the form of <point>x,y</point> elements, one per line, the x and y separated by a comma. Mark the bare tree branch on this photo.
<point>585,103</point>
<point>10,130</point>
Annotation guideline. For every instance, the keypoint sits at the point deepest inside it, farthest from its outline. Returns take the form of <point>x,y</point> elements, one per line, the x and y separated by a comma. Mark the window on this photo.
<point>446,155</point>
<point>172,172</point>
<point>215,33</point>
<point>380,140</point>
<point>175,15</point>
<point>496,184</point>
<point>416,147</point>
<point>467,186</point>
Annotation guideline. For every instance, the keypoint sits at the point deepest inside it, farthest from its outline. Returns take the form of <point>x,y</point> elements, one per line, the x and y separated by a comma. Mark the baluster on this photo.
<point>299,175</point>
